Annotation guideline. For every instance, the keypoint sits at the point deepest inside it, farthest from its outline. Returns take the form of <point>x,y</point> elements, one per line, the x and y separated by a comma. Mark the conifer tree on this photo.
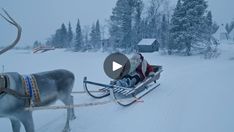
<point>59,40</point>
<point>176,30</point>
<point>69,35</point>
<point>122,21</point>
<point>187,23</point>
<point>98,35</point>
<point>164,33</point>
<point>79,38</point>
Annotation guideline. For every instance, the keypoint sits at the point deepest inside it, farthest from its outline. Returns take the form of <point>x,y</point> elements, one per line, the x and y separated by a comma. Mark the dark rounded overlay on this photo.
<point>116,66</point>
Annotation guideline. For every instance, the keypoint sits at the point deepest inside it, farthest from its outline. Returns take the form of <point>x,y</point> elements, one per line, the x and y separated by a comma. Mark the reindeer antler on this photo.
<point>13,22</point>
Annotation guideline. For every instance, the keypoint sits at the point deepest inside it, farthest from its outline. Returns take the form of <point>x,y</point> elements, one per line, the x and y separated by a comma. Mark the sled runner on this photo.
<point>120,94</point>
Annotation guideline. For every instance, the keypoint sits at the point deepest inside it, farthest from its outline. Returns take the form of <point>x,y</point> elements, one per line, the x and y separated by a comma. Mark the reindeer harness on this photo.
<point>31,89</point>
<point>32,93</point>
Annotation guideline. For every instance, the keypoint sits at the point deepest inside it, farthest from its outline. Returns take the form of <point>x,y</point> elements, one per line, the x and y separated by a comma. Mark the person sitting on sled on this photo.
<point>140,69</point>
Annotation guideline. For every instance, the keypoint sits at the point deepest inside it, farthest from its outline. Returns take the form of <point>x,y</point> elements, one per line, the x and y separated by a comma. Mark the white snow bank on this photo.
<point>195,95</point>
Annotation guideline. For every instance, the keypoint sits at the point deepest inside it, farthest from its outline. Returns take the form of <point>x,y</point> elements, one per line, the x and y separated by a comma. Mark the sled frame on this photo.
<point>117,92</point>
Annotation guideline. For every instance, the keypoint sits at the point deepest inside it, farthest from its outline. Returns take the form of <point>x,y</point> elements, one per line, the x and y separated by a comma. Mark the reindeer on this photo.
<point>53,85</point>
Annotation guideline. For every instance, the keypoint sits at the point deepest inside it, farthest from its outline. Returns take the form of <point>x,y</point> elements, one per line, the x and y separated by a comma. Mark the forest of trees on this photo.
<point>181,30</point>
<point>65,38</point>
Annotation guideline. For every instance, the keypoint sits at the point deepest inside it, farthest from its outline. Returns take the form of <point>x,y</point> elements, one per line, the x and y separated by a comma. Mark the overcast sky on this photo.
<point>40,18</point>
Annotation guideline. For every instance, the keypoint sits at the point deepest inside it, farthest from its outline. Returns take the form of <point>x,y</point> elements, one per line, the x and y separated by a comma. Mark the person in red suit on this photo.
<point>140,69</point>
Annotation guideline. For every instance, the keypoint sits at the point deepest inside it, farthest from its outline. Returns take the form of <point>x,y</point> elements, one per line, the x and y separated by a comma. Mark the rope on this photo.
<point>77,105</point>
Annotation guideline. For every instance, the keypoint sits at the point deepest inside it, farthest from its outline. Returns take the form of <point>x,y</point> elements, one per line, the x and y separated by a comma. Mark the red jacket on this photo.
<point>143,74</point>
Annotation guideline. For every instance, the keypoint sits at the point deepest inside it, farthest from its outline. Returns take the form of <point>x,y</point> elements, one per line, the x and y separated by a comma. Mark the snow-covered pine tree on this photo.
<point>93,37</point>
<point>127,14</point>
<point>193,21</point>
<point>115,30</point>
<point>85,32</point>
<point>154,19</point>
<point>56,39</point>
<point>177,29</point>
<point>64,36</point>
<point>187,24</point>
<point>164,33</point>
<point>116,33</point>
<point>209,19</point>
<point>121,24</point>
<point>78,44</point>
<point>98,35</point>
<point>137,27</point>
<point>69,35</point>
<point>144,28</point>
<point>37,44</point>
<point>206,32</point>
<point>59,40</point>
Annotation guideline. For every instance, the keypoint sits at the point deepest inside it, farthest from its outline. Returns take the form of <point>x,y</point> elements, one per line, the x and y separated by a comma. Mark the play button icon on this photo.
<point>116,66</point>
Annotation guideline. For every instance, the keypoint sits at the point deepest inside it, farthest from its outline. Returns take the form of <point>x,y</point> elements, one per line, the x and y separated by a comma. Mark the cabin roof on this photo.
<point>146,42</point>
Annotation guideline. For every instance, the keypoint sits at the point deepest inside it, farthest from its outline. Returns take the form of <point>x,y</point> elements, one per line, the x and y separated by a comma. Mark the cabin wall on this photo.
<point>147,48</point>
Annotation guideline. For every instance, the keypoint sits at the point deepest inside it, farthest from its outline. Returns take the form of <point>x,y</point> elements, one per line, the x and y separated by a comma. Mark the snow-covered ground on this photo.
<point>196,95</point>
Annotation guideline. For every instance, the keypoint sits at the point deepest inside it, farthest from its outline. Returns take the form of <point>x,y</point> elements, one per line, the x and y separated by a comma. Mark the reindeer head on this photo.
<point>9,19</point>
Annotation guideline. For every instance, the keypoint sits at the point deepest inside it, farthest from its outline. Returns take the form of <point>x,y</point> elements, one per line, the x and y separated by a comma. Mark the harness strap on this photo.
<point>31,89</point>
<point>29,85</point>
<point>24,86</point>
<point>14,93</point>
<point>36,90</point>
<point>27,101</point>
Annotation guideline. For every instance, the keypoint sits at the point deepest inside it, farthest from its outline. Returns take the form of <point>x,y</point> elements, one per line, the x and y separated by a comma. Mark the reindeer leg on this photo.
<point>15,125</point>
<point>27,120</point>
<point>70,112</point>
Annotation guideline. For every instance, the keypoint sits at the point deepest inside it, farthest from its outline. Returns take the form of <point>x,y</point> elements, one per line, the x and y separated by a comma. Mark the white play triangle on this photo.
<point>116,66</point>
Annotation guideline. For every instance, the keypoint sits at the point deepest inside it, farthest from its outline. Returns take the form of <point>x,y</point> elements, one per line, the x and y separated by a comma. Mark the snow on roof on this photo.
<point>220,31</point>
<point>146,42</point>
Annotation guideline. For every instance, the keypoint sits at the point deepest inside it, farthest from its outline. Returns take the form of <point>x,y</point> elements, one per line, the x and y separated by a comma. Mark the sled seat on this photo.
<point>141,86</point>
